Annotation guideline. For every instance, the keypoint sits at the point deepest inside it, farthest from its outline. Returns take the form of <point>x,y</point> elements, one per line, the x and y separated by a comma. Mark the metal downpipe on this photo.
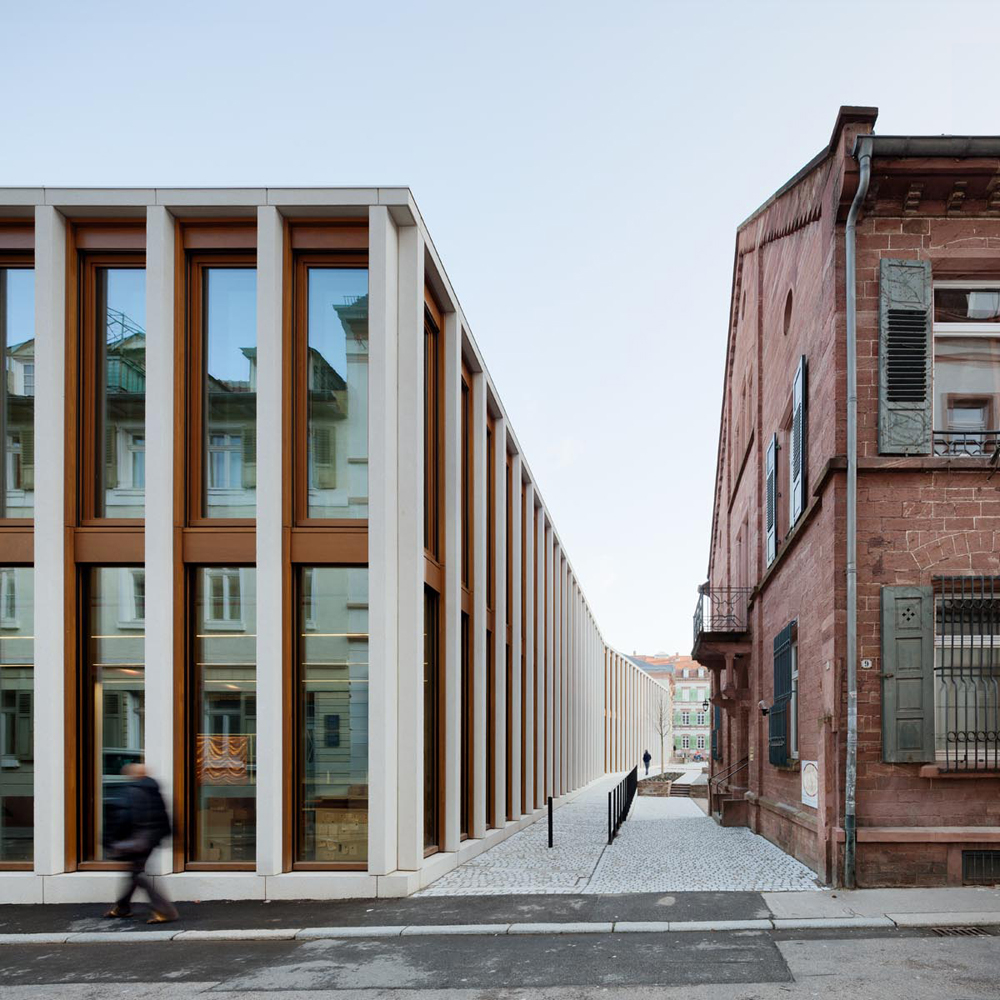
<point>863,153</point>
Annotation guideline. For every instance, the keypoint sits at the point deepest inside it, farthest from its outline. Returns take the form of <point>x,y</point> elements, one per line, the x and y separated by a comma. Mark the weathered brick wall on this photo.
<point>916,520</point>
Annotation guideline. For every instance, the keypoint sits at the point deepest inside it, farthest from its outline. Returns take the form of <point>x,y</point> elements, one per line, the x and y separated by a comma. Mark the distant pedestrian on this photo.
<point>139,825</point>
<point>646,758</point>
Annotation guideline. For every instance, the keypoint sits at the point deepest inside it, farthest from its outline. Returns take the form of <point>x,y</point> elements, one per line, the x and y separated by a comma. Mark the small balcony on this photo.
<point>721,623</point>
<point>966,444</point>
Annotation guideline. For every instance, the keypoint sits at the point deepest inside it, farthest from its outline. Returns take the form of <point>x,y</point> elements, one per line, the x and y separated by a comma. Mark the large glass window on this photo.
<point>17,391</point>
<point>432,724</point>
<point>230,387</point>
<point>333,715</point>
<point>114,713</point>
<point>966,368</point>
<point>223,775</point>
<point>337,385</point>
<point>432,438</point>
<point>17,752</point>
<point>120,370</point>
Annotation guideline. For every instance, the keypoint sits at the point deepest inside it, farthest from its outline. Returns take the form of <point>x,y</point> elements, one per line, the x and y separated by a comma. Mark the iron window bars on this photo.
<point>967,673</point>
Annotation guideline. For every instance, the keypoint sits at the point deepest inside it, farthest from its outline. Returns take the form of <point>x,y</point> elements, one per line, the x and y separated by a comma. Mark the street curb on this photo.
<point>886,922</point>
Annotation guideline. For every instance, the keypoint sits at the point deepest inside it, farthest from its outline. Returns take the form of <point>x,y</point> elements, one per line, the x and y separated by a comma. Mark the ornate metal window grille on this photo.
<point>722,609</point>
<point>967,673</point>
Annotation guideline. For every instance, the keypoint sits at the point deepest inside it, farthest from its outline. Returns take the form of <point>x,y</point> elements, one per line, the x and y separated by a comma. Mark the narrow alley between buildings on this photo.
<point>666,845</point>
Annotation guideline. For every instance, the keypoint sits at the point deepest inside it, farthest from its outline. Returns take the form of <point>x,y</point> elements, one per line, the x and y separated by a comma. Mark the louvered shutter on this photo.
<point>797,471</point>
<point>249,463</point>
<point>28,457</point>
<point>24,748</point>
<point>771,498</point>
<point>905,353</point>
<point>716,733</point>
<point>777,717</point>
<point>110,456</point>
<point>908,674</point>
<point>324,458</point>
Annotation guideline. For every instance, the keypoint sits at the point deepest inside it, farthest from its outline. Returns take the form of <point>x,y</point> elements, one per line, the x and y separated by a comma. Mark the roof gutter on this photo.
<point>863,153</point>
<point>956,146</point>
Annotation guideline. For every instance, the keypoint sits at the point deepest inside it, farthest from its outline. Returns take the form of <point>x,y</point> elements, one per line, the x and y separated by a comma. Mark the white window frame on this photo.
<point>8,589</point>
<point>226,623</point>
<point>233,446</point>
<point>965,329</point>
<point>700,742</point>
<point>685,742</point>
<point>127,611</point>
<point>685,718</point>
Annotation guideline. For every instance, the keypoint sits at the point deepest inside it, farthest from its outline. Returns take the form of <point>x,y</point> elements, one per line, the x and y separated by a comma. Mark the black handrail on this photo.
<point>738,766</point>
<point>620,801</point>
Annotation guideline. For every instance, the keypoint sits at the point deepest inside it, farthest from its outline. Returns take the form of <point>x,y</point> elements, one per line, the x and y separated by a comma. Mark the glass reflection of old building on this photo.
<point>333,715</point>
<point>113,690</point>
<point>224,716</point>
<point>17,751</point>
<point>17,391</point>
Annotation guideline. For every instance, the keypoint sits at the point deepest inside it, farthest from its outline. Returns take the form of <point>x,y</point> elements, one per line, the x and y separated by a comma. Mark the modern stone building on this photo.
<point>850,613</point>
<point>266,526</point>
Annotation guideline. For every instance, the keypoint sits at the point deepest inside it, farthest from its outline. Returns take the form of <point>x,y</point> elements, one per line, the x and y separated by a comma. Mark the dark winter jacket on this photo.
<point>139,820</point>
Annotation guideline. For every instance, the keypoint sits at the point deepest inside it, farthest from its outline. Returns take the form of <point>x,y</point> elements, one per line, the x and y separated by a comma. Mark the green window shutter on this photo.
<point>110,456</point>
<point>797,476</point>
<point>908,674</point>
<point>905,353</point>
<point>249,463</point>
<point>777,717</point>
<point>325,458</point>
<point>771,495</point>
<point>28,457</point>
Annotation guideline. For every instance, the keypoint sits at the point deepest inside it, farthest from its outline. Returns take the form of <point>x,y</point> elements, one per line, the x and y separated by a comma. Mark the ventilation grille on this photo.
<point>980,867</point>
<point>770,501</point>
<point>961,932</point>
<point>906,356</point>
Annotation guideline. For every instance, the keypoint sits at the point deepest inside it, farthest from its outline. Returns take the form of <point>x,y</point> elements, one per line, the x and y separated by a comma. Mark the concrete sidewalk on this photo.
<point>651,913</point>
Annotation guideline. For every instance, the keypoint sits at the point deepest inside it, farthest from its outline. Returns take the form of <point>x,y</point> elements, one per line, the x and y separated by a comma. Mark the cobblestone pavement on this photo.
<point>667,845</point>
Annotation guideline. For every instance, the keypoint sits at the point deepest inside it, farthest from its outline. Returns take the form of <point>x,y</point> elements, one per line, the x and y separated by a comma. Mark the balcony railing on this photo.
<point>966,444</point>
<point>721,609</point>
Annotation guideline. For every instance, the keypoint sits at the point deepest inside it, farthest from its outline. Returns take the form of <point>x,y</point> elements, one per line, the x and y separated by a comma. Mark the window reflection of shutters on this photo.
<point>777,717</point>
<point>28,457</point>
<point>771,499</point>
<point>908,674</point>
<point>249,463</point>
<point>325,458</point>
<point>23,748</point>
<point>110,456</point>
<point>904,358</point>
<point>798,456</point>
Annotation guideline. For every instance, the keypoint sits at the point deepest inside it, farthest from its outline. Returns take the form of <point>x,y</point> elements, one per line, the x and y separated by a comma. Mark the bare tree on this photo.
<point>659,711</point>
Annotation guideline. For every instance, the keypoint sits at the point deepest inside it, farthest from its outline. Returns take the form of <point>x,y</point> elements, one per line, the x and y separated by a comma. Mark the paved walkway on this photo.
<point>666,845</point>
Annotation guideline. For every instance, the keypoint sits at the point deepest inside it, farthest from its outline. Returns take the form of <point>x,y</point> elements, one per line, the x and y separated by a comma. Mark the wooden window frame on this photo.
<point>294,722</point>
<point>508,637</point>
<point>434,569</point>
<point>185,723</point>
<point>297,392</point>
<point>86,443</point>
<point>24,866</point>
<point>22,259</point>
<point>192,365</point>
<point>85,747</point>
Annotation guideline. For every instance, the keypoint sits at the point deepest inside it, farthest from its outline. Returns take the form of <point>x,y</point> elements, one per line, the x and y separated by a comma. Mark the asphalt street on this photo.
<point>747,965</point>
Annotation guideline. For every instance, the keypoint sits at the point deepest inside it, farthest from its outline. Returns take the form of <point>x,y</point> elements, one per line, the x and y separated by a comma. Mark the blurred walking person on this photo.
<point>136,831</point>
<point>646,758</point>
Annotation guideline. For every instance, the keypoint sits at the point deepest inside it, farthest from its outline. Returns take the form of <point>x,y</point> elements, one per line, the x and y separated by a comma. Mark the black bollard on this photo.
<point>550,821</point>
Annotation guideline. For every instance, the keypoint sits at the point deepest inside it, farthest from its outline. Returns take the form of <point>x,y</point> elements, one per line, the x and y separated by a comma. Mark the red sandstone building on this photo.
<point>853,595</point>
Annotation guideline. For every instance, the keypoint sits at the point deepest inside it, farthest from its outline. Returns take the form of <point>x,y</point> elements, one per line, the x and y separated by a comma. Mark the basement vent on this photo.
<point>980,867</point>
<point>906,356</point>
<point>961,932</point>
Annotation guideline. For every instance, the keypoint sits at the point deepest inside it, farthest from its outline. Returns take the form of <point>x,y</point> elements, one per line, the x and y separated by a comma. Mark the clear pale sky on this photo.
<point>581,166</point>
